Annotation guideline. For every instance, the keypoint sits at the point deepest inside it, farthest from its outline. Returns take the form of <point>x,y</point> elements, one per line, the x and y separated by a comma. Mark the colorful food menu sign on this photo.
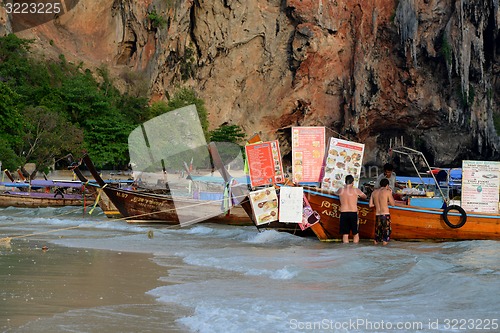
<point>264,163</point>
<point>344,158</point>
<point>308,152</point>
<point>264,205</point>
<point>480,186</point>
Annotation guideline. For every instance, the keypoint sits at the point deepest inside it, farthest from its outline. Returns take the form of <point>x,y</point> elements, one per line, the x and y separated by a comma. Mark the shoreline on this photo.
<point>41,284</point>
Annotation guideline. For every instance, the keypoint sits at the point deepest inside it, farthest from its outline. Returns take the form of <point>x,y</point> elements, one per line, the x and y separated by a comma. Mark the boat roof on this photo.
<point>455,178</point>
<point>44,183</point>
<point>415,180</point>
<point>18,185</point>
<point>55,183</point>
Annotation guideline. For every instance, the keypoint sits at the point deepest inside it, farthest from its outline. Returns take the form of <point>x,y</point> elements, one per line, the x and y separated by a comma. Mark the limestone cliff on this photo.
<point>371,71</point>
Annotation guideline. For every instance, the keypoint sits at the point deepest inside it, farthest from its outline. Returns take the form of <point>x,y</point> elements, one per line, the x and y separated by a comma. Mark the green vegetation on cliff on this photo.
<point>51,108</point>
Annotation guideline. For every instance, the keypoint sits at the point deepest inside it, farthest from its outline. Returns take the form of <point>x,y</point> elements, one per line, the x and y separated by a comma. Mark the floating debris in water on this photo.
<point>5,242</point>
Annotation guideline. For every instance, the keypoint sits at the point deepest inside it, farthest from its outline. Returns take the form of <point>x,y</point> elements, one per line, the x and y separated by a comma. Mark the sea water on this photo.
<point>220,278</point>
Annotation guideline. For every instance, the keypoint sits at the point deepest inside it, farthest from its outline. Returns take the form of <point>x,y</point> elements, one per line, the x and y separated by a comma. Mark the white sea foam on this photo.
<point>271,236</point>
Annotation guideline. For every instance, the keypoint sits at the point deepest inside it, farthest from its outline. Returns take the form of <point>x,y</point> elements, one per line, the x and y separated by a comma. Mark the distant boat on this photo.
<point>43,193</point>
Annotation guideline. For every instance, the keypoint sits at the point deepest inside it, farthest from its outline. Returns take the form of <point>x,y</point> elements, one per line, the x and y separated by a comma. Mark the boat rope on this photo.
<point>99,190</point>
<point>8,239</point>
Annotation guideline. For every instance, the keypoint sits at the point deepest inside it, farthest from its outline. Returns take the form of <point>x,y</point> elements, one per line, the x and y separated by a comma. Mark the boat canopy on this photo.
<point>55,183</point>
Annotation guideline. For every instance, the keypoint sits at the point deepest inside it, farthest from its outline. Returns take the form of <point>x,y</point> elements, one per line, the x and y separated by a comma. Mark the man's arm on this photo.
<point>371,204</point>
<point>361,194</point>
<point>391,198</point>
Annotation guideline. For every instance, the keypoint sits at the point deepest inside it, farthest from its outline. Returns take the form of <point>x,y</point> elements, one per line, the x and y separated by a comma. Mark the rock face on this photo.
<point>424,71</point>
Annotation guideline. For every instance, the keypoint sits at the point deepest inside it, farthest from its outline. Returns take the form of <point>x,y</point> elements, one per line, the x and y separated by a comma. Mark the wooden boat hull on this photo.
<point>107,206</point>
<point>147,207</point>
<point>416,223</point>
<point>40,200</point>
<point>142,206</point>
<point>407,222</point>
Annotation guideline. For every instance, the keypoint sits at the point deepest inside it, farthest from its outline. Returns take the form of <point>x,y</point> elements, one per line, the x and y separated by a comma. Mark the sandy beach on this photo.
<point>38,284</point>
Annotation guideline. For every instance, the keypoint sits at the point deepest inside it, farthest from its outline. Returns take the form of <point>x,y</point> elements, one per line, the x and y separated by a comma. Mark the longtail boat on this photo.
<point>43,193</point>
<point>411,219</point>
<point>408,222</point>
<point>147,207</point>
<point>102,199</point>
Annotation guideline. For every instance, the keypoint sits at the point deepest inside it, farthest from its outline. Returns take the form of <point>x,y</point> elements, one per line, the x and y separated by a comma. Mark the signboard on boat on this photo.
<point>264,163</point>
<point>264,205</point>
<point>480,186</point>
<point>344,158</point>
<point>291,204</point>
<point>308,152</point>
<point>309,215</point>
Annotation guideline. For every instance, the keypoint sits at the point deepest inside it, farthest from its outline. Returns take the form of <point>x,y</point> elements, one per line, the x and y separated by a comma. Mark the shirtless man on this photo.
<point>349,209</point>
<point>380,199</point>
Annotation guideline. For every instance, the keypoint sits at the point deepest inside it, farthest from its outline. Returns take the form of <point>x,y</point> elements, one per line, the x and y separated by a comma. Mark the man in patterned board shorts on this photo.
<point>349,209</point>
<point>382,229</point>
<point>380,199</point>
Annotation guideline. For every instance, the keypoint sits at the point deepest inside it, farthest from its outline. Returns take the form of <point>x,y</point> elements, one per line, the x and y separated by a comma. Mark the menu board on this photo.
<point>308,152</point>
<point>291,204</point>
<point>264,163</point>
<point>480,186</point>
<point>264,205</point>
<point>344,158</point>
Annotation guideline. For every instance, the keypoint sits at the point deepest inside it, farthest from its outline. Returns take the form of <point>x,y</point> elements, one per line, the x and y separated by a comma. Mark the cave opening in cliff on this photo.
<point>491,41</point>
<point>129,48</point>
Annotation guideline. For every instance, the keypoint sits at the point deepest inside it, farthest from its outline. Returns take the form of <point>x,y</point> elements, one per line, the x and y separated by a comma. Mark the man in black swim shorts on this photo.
<point>349,209</point>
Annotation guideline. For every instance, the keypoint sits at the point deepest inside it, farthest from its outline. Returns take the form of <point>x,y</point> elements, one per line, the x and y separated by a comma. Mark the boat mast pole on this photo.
<point>411,160</point>
<point>430,171</point>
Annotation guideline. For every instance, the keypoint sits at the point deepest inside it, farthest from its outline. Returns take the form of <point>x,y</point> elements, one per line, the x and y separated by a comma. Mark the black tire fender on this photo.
<point>463,216</point>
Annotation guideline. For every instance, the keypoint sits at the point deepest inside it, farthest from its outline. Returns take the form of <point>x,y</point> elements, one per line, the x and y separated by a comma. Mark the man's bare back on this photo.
<point>380,199</point>
<point>349,198</point>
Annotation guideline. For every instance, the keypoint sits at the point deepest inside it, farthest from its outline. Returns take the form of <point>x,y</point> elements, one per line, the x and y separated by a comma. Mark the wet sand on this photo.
<point>38,284</point>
